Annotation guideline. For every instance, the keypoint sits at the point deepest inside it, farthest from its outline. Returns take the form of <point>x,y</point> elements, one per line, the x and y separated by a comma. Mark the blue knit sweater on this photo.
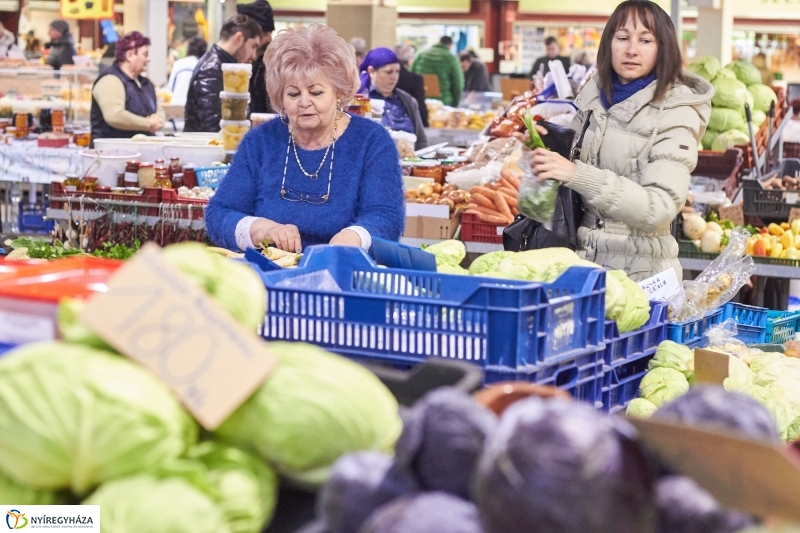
<point>366,188</point>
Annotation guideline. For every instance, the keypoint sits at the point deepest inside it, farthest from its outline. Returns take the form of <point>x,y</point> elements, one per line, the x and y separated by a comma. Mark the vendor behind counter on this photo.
<point>124,102</point>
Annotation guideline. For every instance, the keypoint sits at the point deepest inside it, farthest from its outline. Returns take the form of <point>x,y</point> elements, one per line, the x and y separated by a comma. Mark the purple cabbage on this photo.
<point>429,512</point>
<point>684,507</point>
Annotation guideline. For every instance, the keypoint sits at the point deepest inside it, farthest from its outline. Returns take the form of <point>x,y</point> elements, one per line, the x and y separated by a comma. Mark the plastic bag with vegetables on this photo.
<point>537,200</point>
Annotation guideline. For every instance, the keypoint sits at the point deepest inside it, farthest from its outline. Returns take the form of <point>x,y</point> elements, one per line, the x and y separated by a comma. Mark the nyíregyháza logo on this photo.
<point>16,519</point>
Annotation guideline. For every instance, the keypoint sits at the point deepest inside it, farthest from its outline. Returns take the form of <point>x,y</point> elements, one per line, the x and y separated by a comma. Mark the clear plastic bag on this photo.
<point>537,200</point>
<point>722,338</point>
<point>721,280</point>
<point>315,281</point>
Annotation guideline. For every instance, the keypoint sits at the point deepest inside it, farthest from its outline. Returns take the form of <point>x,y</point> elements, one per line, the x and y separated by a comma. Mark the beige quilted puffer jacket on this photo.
<point>633,173</point>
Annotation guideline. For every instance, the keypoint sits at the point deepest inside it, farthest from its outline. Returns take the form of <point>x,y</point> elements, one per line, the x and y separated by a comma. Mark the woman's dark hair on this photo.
<point>196,46</point>
<point>130,41</point>
<point>668,62</point>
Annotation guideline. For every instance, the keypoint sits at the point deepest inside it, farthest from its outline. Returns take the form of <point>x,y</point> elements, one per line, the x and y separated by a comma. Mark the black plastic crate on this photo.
<point>772,205</point>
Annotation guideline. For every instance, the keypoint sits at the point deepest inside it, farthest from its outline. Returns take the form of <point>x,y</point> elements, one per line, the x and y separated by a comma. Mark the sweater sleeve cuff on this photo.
<point>587,181</point>
<point>243,240</point>
<point>366,238</point>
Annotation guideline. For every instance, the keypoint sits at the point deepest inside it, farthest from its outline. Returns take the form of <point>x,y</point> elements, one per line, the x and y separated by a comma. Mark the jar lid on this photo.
<point>225,95</point>
<point>238,123</point>
<point>131,162</point>
<point>429,164</point>
<point>241,67</point>
<point>70,176</point>
<point>177,158</point>
<point>178,175</point>
<point>145,165</point>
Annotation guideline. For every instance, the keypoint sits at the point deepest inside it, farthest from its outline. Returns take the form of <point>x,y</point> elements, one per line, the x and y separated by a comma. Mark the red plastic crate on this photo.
<point>473,230</point>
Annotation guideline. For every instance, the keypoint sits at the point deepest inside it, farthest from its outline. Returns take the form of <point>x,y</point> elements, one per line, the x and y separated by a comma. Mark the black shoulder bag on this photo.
<point>526,234</point>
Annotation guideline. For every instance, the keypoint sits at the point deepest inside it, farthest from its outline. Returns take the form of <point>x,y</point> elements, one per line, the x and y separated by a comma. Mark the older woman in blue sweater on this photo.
<point>317,175</point>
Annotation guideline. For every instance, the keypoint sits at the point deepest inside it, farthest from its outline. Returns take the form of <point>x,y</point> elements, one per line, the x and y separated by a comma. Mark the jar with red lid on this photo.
<point>131,177</point>
<point>189,177</point>
<point>163,180</point>
<point>449,165</point>
<point>175,166</point>
<point>429,169</point>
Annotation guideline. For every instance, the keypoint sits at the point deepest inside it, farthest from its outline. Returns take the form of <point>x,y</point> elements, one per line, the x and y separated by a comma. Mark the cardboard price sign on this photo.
<point>155,315</point>
<point>794,214</point>
<point>734,213</point>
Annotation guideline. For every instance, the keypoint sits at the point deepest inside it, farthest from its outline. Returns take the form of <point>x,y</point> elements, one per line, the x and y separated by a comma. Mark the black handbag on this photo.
<point>526,234</point>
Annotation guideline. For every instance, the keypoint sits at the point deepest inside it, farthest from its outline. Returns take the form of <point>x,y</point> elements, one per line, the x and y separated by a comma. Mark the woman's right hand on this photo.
<point>156,123</point>
<point>284,236</point>
<point>525,137</point>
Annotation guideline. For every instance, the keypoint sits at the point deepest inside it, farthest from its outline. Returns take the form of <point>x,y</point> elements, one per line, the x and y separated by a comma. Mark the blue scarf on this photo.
<point>621,92</point>
<point>376,58</point>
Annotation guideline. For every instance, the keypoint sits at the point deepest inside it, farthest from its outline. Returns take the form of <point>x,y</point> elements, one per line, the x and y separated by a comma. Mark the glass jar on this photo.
<point>177,180</point>
<point>46,120</point>
<point>21,125</point>
<point>175,166</point>
<point>366,106</point>
<point>72,182</point>
<point>429,169</point>
<point>449,165</point>
<point>407,167</point>
<point>89,183</point>
<point>57,120</point>
<point>162,180</point>
<point>131,174</point>
<point>189,177</point>
<point>146,176</point>
<point>83,138</point>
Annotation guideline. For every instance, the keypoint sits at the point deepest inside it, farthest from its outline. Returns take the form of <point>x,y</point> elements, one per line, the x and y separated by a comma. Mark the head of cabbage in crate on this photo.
<point>643,119</point>
<point>316,175</point>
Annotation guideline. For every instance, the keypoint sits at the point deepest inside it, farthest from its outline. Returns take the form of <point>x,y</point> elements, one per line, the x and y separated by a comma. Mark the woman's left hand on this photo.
<point>551,165</point>
<point>346,237</point>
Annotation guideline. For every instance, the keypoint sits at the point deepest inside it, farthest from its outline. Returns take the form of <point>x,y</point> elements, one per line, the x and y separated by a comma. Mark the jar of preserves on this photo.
<point>57,120</point>
<point>366,106</point>
<point>429,169</point>
<point>131,174</point>
<point>449,165</point>
<point>89,183</point>
<point>83,138</point>
<point>189,177</point>
<point>146,175</point>
<point>72,182</point>
<point>407,167</point>
<point>177,180</point>
<point>162,177</point>
<point>175,166</point>
<point>21,125</point>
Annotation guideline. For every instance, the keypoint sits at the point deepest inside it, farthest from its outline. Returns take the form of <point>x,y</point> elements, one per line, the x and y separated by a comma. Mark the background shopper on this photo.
<point>440,61</point>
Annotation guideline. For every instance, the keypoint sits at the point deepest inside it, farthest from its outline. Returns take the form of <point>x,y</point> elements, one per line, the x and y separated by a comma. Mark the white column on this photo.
<point>216,17</point>
<point>677,20</point>
<point>151,18</point>
<point>228,9</point>
<point>714,28</point>
<point>374,20</point>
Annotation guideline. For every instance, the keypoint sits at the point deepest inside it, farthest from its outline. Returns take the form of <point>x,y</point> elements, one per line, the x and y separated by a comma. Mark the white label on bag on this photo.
<point>500,229</point>
<point>16,328</point>
<point>661,286</point>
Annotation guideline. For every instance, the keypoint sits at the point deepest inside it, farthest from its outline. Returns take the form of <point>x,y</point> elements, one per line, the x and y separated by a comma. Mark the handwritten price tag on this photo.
<point>661,287</point>
<point>733,213</point>
<point>155,315</point>
<point>794,214</point>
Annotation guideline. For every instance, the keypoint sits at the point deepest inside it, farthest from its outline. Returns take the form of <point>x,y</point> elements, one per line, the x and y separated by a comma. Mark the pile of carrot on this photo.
<point>496,203</point>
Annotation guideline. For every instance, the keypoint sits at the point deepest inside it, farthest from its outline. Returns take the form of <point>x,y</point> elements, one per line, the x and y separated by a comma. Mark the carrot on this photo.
<point>511,177</point>
<point>512,193</point>
<point>489,219</point>
<point>502,206</point>
<point>510,200</point>
<point>487,192</point>
<point>484,210</point>
<point>482,200</point>
<point>514,211</point>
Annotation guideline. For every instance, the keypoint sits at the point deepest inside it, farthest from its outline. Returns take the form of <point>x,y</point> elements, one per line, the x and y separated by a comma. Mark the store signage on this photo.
<point>578,7</point>
<point>294,5</point>
<point>87,9</point>
<point>734,213</point>
<point>158,317</point>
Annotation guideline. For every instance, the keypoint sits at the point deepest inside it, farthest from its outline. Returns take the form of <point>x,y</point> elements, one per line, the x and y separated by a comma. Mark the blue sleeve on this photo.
<point>235,197</point>
<point>381,206</point>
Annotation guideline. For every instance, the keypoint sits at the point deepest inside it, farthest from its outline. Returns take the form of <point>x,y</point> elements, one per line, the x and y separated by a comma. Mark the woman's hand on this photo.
<point>156,123</point>
<point>347,237</point>
<point>284,236</point>
<point>525,137</point>
<point>551,165</point>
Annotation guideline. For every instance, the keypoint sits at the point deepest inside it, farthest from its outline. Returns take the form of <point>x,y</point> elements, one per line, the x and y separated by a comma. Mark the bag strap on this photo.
<point>576,150</point>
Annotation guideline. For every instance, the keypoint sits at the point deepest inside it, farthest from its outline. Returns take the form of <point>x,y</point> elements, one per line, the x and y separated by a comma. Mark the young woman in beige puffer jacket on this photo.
<point>646,118</point>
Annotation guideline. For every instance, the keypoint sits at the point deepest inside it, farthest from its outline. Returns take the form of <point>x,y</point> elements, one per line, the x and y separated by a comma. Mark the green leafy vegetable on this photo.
<point>728,139</point>
<point>640,408</point>
<point>450,252</point>
<point>729,93</point>
<point>121,252</point>
<point>535,139</point>
<point>763,96</point>
<point>723,119</point>
<point>12,492</point>
<point>706,67</point>
<point>676,356</point>
<point>662,385</point>
<point>538,202</point>
<point>40,249</point>
<point>636,311</point>
<point>745,72</point>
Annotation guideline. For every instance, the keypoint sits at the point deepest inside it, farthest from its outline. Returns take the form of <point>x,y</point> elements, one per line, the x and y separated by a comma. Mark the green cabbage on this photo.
<point>640,408</point>
<point>241,485</point>
<point>72,330</point>
<point>450,252</point>
<point>723,119</point>
<point>725,72</point>
<point>763,96</point>
<point>740,376</point>
<point>452,269</point>
<point>487,262</point>
<point>670,354</point>
<point>74,417</point>
<point>728,139</point>
<point>708,138</point>
<point>706,67</point>
<point>732,94</point>
<point>314,408</point>
<point>636,312</point>
<point>662,385</point>
<point>146,503</point>
<point>615,297</point>
<point>758,118</point>
<point>745,71</point>
<point>232,284</point>
<point>13,493</point>
<point>793,431</point>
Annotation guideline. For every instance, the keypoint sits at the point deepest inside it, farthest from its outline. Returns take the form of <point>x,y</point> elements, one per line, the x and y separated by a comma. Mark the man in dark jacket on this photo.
<point>543,63</point>
<point>61,45</point>
<point>411,83</point>
<point>240,38</point>
<point>261,12</point>
<point>476,79</point>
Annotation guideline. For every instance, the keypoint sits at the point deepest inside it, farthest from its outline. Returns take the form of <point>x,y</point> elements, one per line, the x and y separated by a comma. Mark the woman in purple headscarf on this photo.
<point>380,71</point>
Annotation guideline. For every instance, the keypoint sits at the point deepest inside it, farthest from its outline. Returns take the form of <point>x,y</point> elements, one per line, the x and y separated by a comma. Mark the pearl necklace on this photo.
<point>315,175</point>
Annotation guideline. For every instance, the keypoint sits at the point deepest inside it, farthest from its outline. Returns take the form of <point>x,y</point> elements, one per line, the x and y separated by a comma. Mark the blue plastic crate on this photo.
<point>692,332</point>
<point>751,322</point>
<point>4,347</point>
<point>405,316</point>
<point>619,348</point>
<point>32,219</point>
<point>621,382</point>
<point>581,376</point>
<point>781,326</point>
<point>211,176</point>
